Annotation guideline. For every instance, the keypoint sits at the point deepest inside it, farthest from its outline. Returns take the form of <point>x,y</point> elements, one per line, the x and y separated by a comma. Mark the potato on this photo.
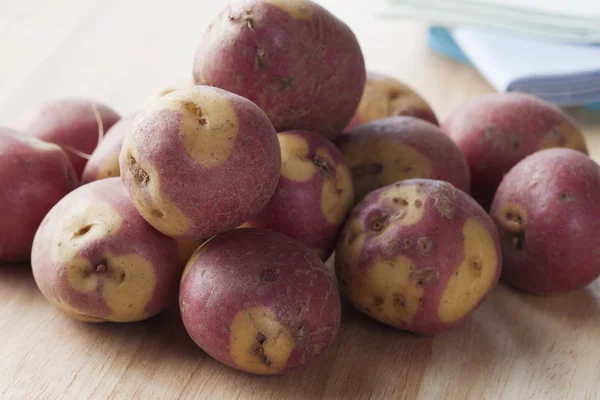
<point>104,162</point>
<point>200,161</point>
<point>95,258</point>
<point>69,122</point>
<point>34,175</point>
<point>294,59</point>
<point>548,215</point>
<point>385,96</point>
<point>392,149</point>
<point>496,131</point>
<point>259,301</point>
<point>314,194</point>
<point>419,255</point>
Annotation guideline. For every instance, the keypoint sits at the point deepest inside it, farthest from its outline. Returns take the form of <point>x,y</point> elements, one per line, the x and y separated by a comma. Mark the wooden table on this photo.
<point>515,346</point>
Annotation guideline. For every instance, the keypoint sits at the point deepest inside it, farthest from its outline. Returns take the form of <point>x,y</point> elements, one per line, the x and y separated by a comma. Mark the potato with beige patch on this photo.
<point>419,255</point>
<point>259,301</point>
<point>392,149</point>
<point>314,194</point>
<point>34,176</point>
<point>200,161</point>
<point>385,97</point>
<point>95,258</point>
<point>496,131</point>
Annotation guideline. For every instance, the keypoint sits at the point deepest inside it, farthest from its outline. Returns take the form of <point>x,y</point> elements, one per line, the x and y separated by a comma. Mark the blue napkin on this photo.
<point>505,60</point>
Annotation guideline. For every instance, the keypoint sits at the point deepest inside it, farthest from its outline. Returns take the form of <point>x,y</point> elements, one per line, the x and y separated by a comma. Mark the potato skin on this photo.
<point>294,59</point>
<point>547,212</point>
<point>496,131</point>
<point>95,258</point>
<point>259,301</point>
<point>419,255</point>
<point>69,122</point>
<point>391,149</point>
<point>200,161</point>
<point>314,194</point>
<point>104,162</point>
<point>34,175</point>
<point>385,96</point>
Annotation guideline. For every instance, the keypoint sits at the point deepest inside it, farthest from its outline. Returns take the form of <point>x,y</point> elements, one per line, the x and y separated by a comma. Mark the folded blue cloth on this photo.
<point>568,88</point>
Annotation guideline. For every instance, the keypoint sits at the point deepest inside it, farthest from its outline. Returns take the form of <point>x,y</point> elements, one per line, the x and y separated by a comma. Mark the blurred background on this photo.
<point>448,50</point>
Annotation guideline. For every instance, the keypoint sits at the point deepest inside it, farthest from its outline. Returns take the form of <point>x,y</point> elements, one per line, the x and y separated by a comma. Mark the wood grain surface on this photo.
<point>515,346</point>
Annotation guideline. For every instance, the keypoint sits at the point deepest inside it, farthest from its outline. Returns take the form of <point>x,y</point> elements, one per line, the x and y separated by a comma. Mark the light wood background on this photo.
<point>515,346</point>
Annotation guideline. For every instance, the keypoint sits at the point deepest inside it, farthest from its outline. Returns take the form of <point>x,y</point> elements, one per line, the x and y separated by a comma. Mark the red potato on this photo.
<point>496,131</point>
<point>34,175</point>
<point>314,194</point>
<point>259,301</point>
<point>419,255</point>
<point>548,215</point>
<point>104,162</point>
<point>385,96</point>
<point>200,161</point>
<point>294,59</point>
<point>69,122</point>
<point>392,149</point>
<point>95,258</point>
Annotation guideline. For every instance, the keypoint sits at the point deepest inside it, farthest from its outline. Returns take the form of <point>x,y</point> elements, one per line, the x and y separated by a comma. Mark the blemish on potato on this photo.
<point>260,60</point>
<point>285,84</point>
<point>325,164</point>
<point>444,199</point>
<point>427,275</point>
<point>269,275</point>
<point>464,291</point>
<point>513,220</point>
<point>258,342</point>
<point>425,245</point>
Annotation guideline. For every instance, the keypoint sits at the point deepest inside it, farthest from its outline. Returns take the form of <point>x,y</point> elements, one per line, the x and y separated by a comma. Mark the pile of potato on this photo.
<point>235,189</point>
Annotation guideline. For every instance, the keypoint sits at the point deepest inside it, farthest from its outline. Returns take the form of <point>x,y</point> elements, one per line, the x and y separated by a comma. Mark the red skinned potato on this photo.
<point>392,149</point>
<point>34,176</point>
<point>69,122</point>
<point>419,255</point>
<point>496,131</point>
<point>200,161</point>
<point>104,162</point>
<point>294,59</point>
<point>259,301</point>
<point>314,194</point>
<point>548,215</point>
<point>385,96</point>
<point>95,258</point>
